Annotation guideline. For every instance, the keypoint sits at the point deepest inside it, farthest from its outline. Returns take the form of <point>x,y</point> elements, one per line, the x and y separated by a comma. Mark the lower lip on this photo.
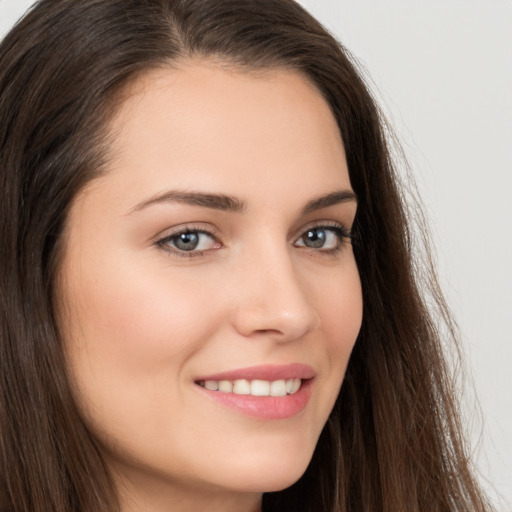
<point>265,407</point>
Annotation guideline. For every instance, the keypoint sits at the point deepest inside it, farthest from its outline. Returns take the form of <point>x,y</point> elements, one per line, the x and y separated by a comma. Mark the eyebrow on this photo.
<point>214,201</point>
<point>233,204</point>
<point>330,199</point>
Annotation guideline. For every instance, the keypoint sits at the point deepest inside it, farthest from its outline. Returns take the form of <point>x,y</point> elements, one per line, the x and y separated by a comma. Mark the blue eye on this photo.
<point>194,242</point>
<point>323,238</point>
<point>189,241</point>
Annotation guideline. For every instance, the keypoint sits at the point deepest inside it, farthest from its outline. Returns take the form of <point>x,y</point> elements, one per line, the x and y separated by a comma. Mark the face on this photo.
<point>209,295</point>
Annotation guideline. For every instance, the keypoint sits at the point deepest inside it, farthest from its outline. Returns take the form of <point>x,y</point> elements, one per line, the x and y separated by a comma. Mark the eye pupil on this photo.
<point>186,241</point>
<point>315,238</point>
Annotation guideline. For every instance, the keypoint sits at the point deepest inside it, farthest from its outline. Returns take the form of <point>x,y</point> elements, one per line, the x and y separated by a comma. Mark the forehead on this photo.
<point>226,129</point>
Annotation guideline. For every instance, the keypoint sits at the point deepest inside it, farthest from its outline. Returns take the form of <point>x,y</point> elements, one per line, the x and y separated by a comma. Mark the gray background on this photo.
<point>443,73</point>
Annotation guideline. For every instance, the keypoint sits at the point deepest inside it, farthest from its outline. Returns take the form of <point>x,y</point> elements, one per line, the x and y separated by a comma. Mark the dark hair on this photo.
<point>393,441</point>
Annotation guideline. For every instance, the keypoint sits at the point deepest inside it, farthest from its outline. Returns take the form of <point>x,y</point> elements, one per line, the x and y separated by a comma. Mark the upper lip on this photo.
<point>270,372</point>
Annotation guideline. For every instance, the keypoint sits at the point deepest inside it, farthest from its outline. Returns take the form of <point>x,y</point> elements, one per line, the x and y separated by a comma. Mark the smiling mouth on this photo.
<point>255,387</point>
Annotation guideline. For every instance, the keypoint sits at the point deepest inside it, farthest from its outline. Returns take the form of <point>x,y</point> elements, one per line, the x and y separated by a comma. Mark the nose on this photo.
<point>272,300</point>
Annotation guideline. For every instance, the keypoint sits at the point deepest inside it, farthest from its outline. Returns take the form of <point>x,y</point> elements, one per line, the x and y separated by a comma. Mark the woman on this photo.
<point>209,300</point>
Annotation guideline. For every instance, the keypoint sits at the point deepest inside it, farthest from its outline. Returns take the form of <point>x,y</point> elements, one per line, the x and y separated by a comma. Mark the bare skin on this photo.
<point>165,281</point>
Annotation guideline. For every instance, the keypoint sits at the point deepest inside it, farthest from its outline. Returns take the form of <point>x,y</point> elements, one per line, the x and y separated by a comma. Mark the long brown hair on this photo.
<point>393,441</point>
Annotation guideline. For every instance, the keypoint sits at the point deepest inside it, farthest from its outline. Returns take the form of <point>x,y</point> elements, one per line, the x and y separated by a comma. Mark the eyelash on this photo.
<point>341,232</point>
<point>205,230</point>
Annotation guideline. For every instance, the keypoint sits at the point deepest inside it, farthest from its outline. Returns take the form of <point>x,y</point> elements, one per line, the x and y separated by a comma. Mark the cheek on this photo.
<point>343,318</point>
<point>129,336</point>
<point>339,304</point>
<point>134,316</point>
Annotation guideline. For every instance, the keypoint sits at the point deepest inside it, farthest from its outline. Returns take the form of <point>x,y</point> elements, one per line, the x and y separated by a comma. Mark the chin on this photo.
<point>273,472</point>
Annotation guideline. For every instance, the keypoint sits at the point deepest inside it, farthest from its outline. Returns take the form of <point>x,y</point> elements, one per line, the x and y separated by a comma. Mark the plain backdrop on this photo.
<point>442,71</point>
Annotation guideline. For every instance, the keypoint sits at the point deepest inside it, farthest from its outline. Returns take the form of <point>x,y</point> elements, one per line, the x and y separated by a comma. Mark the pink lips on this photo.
<point>265,372</point>
<point>264,407</point>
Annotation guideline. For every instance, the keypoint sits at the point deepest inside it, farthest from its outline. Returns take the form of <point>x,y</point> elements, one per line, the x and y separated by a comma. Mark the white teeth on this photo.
<point>295,385</point>
<point>260,388</point>
<point>242,387</point>
<point>212,385</point>
<point>278,388</point>
<point>225,386</point>
<point>255,387</point>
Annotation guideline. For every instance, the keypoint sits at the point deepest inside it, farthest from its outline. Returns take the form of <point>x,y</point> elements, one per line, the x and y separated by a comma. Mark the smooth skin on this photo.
<point>156,291</point>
